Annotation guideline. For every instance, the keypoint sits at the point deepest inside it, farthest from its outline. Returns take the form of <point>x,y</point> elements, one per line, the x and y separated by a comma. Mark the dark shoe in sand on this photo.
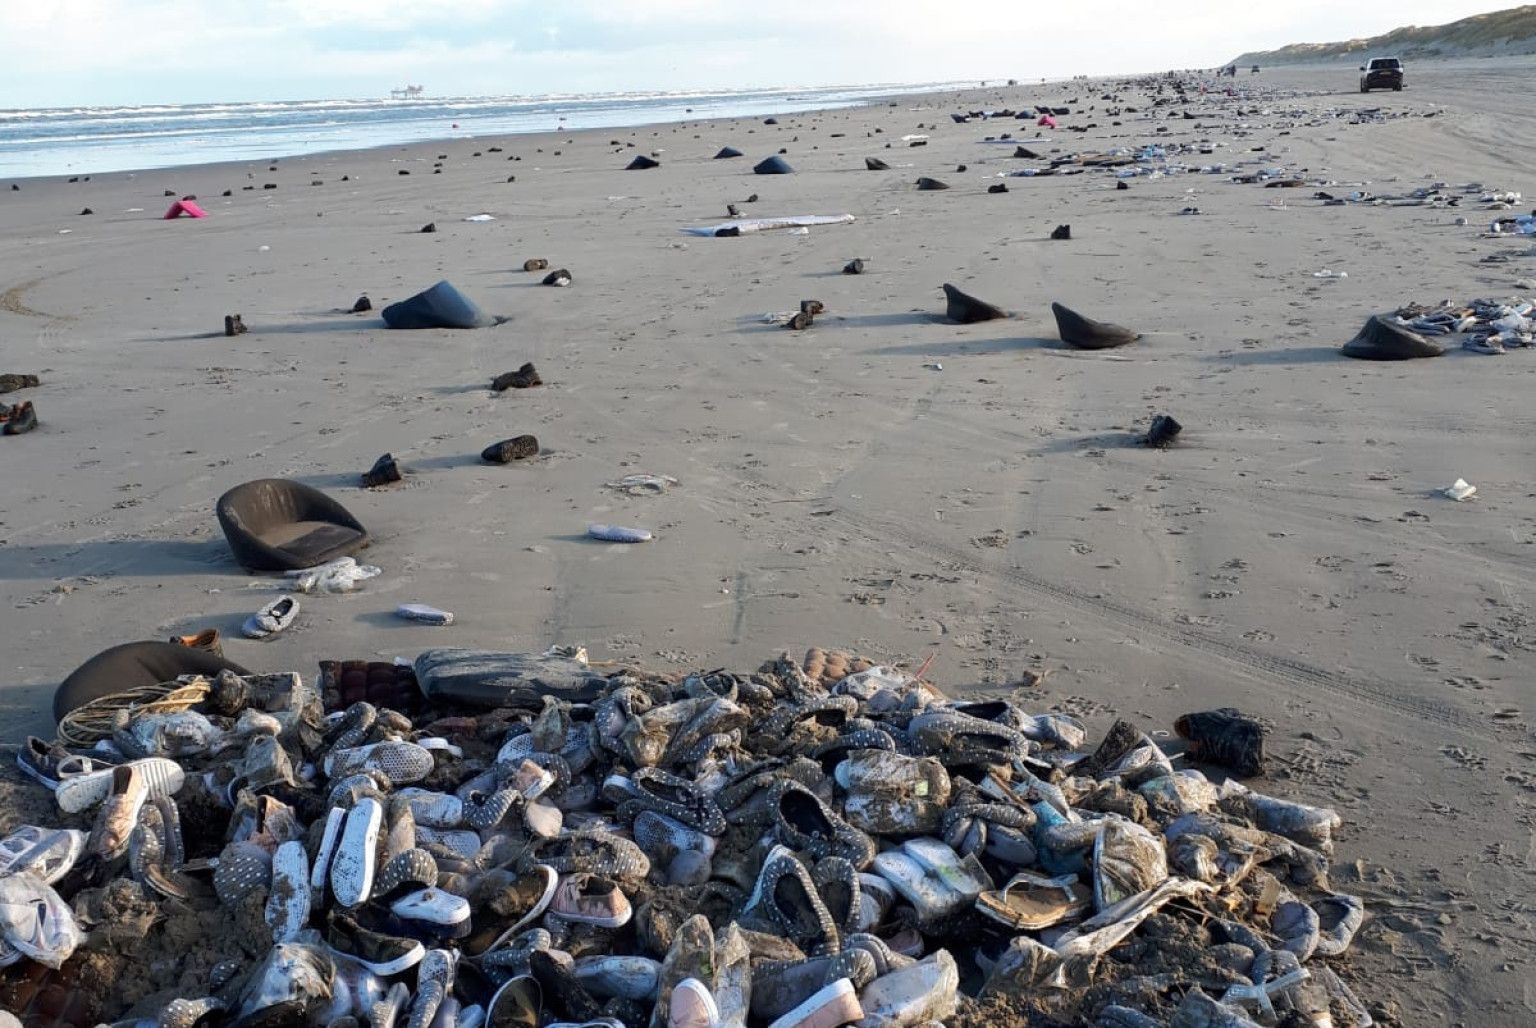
<point>997,187</point>
<point>854,267</point>
<point>812,307</point>
<point>560,277</point>
<point>11,383</point>
<point>535,264</point>
<point>1162,432</point>
<point>802,320</point>
<point>384,471</point>
<point>1087,334</point>
<point>966,309</point>
<point>1062,232</point>
<point>642,163</point>
<point>1225,737</point>
<point>22,419</point>
<point>508,450</point>
<point>430,226</point>
<point>926,183</point>
<point>875,164</point>
<point>233,326</point>
<point>362,304</point>
<point>525,377</point>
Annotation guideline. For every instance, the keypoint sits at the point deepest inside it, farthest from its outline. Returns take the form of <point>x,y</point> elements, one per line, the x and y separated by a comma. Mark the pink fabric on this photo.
<point>186,207</point>
<point>1046,121</point>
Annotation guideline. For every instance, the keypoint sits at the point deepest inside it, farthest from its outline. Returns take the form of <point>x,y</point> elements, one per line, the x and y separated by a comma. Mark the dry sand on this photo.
<point>1290,557</point>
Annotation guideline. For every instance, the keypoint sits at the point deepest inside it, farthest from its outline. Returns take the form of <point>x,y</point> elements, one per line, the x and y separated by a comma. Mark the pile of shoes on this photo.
<point>1486,326</point>
<point>499,840</point>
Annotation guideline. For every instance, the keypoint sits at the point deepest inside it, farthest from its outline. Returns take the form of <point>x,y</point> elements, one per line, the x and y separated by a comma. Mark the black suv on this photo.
<point>1381,73</point>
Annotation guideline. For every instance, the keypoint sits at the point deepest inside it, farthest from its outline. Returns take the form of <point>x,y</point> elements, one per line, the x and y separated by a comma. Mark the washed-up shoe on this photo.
<point>288,902</point>
<point>47,854</point>
<point>208,640</point>
<point>47,762</point>
<point>1030,902</point>
<point>352,867</point>
<point>1339,918</point>
<point>629,977</point>
<point>830,1006</point>
<point>786,897</point>
<point>402,762</point>
<point>589,899</point>
<point>35,922</point>
<point>516,1004</point>
<point>78,792</point>
<point>381,953</point>
<point>597,852</point>
<point>433,912</point>
<point>805,823</point>
<point>119,813</point>
<point>692,1005</point>
<point>272,618</point>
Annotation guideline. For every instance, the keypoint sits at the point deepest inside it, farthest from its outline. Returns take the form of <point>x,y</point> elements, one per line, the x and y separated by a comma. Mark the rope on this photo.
<point>84,726</point>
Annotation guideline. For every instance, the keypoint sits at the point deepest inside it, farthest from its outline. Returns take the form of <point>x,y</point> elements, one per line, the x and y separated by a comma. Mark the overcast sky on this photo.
<point>92,52</point>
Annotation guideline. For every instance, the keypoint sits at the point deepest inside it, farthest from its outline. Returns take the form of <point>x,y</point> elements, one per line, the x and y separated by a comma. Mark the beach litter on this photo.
<point>1459,490</point>
<point>643,485</point>
<point>488,838</point>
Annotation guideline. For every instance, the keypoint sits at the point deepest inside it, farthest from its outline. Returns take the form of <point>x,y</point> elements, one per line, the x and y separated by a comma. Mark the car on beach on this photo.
<point>1381,73</point>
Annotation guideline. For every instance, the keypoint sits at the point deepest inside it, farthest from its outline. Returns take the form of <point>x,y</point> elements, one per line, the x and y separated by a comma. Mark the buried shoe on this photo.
<point>233,326</point>
<point>525,377</point>
<point>208,640</point>
<point>692,1005</point>
<point>854,267</point>
<point>588,899</point>
<point>1162,431</point>
<point>535,264</point>
<point>47,854</point>
<point>1087,334</point>
<point>508,450</point>
<point>834,1004</point>
<point>384,471</point>
<point>272,618</point>
<point>805,823</point>
<point>380,953</point>
<point>22,419</point>
<point>1061,232</point>
<point>927,184</point>
<point>352,866</point>
<point>966,309</point>
<point>1030,902</point>
<point>559,277</point>
<point>1225,737</point>
<point>119,812</point>
<point>516,1004</point>
<point>11,382</point>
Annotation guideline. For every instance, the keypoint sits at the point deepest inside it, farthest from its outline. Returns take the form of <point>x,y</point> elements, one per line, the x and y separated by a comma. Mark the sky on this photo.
<point>60,53</point>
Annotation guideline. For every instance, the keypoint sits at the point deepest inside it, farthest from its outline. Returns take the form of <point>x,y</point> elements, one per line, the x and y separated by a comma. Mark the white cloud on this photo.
<point>111,51</point>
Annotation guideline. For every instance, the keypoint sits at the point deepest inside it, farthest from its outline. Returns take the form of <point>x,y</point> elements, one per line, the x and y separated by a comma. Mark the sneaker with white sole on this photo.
<point>161,777</point>
<point>356,855</point>
<point>831,1006</point>
<point>692,1005</point>
<point>381,953</point>
<point>288,902</point>
<point>402,762</point>
<point>435,912</point>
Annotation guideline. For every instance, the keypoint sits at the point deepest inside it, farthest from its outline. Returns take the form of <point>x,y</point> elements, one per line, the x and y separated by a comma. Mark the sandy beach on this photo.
<point>886,482</point>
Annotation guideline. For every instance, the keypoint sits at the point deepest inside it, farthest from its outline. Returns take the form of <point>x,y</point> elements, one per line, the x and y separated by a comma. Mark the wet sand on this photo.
<point>1290,556</point>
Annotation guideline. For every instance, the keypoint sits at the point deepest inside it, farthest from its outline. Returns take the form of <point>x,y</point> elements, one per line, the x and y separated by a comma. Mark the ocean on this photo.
<point>91,140</point>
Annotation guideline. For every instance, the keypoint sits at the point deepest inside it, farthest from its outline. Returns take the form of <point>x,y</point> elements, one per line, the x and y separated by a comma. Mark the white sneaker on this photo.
<point>353,866</point>
<point>162,777</point>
